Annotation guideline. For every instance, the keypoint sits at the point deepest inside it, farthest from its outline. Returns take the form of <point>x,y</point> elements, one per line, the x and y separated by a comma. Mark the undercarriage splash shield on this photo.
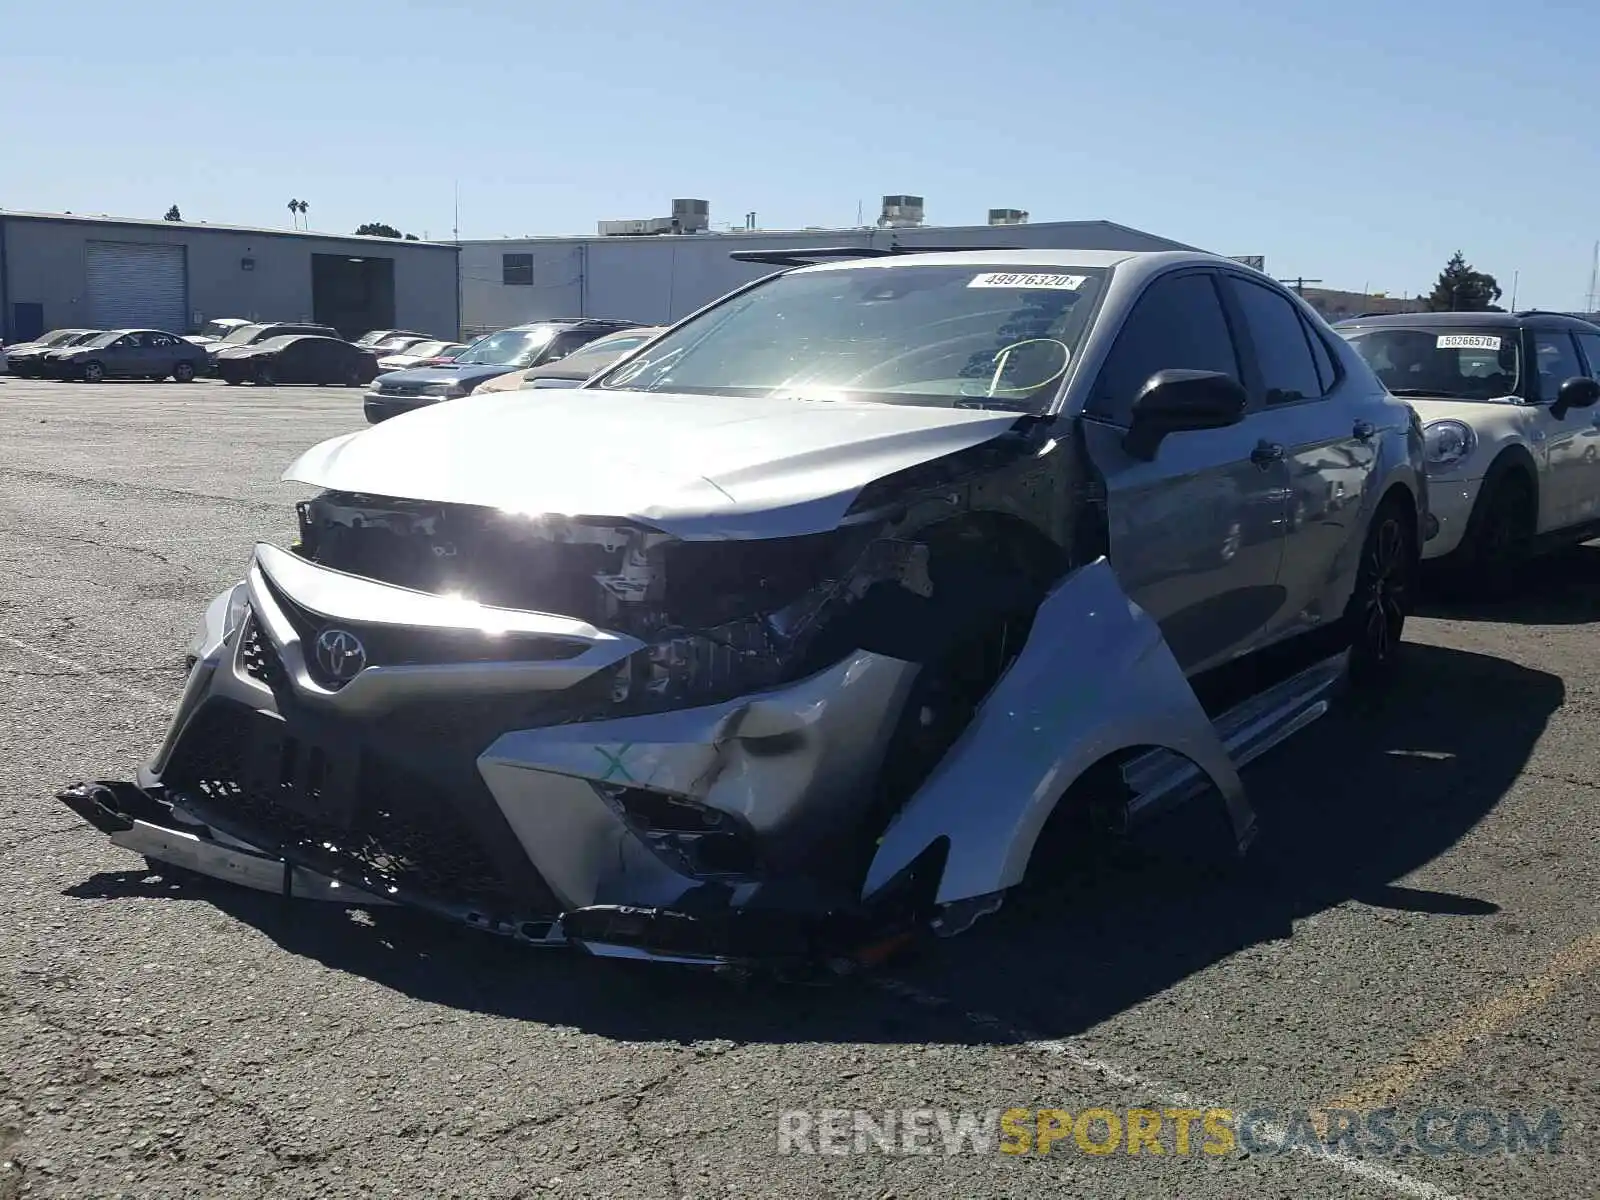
<point>1094,678</point>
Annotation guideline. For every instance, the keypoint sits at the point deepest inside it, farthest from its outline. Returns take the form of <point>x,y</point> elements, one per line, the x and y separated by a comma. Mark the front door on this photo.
<point>1565,441</point>
<point>1197,534</point>
<point>1589,420</point>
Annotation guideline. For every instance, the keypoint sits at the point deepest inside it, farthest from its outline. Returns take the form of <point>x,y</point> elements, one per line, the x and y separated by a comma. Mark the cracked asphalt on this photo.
<point>1416,928</point>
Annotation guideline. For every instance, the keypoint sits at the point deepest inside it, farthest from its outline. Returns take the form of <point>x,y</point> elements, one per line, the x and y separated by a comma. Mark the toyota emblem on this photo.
<point>340,654</point>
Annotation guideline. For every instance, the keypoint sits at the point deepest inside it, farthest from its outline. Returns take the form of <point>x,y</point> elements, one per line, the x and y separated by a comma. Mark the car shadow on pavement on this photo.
<point>1360,799</point>
<point>1560,589</point>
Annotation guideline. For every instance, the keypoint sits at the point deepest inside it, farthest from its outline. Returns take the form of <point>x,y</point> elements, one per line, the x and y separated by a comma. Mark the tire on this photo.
<point>1385,590</point>
<point>1500,540</point>
<point>94,372</point>
<point>183,372</point>
<point>263,375</point>
<point>232,380</point>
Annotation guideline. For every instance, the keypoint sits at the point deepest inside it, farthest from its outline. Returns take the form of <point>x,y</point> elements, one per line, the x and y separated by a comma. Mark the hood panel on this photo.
<point>695,466</point>
<point>451,374</point>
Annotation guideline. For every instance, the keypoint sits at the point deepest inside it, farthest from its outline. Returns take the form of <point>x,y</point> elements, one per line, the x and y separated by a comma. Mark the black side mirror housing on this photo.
<point>1176,401</point>
<point>1577,392</point>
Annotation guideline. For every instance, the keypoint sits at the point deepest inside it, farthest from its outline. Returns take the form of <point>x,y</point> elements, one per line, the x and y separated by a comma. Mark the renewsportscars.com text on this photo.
<point>1179,1132</point>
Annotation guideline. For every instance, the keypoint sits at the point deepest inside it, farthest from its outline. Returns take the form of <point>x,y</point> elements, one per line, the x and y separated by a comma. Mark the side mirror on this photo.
<point>1177,401</point>
<point>1576,392</point>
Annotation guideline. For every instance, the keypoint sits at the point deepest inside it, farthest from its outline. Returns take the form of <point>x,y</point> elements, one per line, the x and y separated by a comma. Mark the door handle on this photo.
<point>1266,453</point>
<point>1363,431</point>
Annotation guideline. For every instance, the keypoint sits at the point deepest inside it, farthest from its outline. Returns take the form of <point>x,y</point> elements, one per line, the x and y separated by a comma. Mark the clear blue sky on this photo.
<point>1360,142</point>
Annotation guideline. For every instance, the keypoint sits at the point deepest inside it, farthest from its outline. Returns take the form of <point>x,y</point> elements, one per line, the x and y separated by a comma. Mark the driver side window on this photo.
<point>1556,360</point>
<point>1177,324</point>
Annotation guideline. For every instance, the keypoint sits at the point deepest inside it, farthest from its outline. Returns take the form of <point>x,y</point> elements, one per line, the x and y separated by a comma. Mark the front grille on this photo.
<point>259,656</point>
<point>427,826</point>
<point>396,646</point>
<point>399,389</point>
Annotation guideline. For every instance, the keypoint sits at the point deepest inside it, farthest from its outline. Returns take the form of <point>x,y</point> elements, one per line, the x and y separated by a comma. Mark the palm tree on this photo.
<point>294,208</point>
<point>303,207</point>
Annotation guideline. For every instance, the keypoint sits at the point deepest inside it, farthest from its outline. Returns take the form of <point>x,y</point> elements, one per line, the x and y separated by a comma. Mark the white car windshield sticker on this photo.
<point>1467,341</point>
<point>1059,283</point>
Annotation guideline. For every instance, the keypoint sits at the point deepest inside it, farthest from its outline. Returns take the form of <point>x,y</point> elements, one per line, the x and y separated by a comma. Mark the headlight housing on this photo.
<point>1447,444</point>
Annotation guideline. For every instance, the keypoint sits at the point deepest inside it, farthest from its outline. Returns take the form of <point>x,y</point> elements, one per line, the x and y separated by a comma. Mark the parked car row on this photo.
<point>516,349</point>
<point>232,348</point>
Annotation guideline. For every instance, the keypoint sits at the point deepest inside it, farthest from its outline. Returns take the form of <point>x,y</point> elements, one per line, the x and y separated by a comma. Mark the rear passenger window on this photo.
<point>1278,335</point>
<point>1177,324</point>
<point>1327,370</point>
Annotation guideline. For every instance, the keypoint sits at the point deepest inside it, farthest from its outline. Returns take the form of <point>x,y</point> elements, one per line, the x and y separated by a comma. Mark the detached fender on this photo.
<point>1095,677</point>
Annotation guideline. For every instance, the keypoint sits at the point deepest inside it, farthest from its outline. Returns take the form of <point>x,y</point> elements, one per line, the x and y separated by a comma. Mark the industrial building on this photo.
<point>659,269</point>
<point>98,272</point>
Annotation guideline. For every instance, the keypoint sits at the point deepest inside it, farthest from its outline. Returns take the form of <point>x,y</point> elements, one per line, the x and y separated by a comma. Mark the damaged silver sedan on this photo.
<point>786,638</point>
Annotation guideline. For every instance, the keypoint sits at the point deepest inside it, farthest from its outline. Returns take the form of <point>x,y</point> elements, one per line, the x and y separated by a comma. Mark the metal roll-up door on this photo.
<point>140,284</point>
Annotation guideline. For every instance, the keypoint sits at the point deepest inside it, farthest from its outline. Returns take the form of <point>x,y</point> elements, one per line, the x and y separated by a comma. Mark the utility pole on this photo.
<point>1299,282</point>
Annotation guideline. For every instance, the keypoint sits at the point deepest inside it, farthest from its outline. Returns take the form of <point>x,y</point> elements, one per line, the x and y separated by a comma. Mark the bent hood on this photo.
<point>699,467</point>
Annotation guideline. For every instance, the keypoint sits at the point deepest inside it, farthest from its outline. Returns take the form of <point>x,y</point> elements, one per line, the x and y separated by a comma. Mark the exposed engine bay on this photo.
<point>717,616</point>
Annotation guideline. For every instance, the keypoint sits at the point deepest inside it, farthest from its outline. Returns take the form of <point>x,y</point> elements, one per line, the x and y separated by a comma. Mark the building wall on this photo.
<point>1340,306</point>
<point>44,263</point>
<point>655,280</point>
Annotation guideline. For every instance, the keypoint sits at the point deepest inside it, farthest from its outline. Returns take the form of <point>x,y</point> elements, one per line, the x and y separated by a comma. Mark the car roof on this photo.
<point>1529,318</point>
<point>612,323</point>
<point>1139,261</point>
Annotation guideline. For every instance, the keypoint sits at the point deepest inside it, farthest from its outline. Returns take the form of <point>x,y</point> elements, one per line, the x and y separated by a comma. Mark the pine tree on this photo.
<point>1461,289</point>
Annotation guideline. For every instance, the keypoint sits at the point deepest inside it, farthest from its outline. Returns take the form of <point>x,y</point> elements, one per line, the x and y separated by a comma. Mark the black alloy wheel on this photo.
<point>1384,593</point>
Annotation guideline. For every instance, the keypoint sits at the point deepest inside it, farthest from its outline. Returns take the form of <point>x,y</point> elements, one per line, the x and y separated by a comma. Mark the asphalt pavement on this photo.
<point>1417,931</point>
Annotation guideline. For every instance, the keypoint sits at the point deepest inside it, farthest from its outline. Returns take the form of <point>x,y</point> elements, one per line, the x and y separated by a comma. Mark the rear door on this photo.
<point>1197,534</point>
<point>1329,438</point>
<point>162,350</point>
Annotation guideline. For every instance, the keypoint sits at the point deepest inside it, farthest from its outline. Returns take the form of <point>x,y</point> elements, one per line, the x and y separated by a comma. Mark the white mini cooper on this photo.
<point>1513,437</point>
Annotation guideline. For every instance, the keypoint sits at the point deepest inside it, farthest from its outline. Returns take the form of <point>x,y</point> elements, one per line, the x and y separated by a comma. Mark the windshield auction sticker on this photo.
<point>1467,341</point>
<point>1058,283</point>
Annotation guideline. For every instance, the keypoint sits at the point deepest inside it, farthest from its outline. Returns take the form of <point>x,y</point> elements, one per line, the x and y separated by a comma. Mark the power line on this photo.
<point>1299,282</point>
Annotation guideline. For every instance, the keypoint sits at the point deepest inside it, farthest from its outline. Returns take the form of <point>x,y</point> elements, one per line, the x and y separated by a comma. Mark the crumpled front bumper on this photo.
<point>481,798</point>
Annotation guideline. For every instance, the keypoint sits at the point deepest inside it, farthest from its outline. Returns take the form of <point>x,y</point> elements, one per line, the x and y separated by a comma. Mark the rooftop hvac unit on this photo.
<point>1007,216</point>
<point>900,212</point>
<point>691,216</point>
